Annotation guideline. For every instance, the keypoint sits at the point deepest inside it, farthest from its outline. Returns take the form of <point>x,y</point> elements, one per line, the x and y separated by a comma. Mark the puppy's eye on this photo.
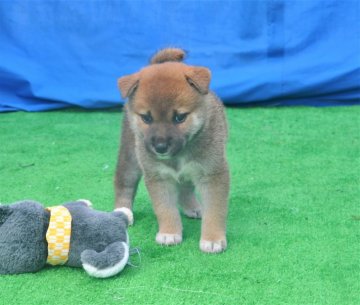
<point>180,117</point>
<point>147,118</point>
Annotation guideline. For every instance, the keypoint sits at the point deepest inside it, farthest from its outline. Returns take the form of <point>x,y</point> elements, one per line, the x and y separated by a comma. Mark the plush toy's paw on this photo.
<point>87,202</point>
<point>128,213</point>
<point>106,263</point>
<point>168,239</point>
<point>212,246</point>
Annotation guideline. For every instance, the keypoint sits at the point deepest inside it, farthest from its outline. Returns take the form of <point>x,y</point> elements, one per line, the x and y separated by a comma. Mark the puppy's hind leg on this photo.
<point>187,200</point>
<point>128,172</point>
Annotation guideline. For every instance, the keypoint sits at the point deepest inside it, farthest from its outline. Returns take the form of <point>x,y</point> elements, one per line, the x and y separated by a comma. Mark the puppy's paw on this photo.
<point>193,213</point>
<point>128,213</point>
<point>208,246</point>
<point>168,239</point>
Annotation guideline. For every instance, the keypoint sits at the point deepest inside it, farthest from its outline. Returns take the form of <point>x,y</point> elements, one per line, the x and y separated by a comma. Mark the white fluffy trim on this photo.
<point>128,213</point>
<point>87,202</point>
<point>110,271</point>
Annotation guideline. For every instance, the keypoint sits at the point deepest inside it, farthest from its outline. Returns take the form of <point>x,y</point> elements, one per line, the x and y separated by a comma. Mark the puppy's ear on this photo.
<point>199,78</point>
<point>128,84</point>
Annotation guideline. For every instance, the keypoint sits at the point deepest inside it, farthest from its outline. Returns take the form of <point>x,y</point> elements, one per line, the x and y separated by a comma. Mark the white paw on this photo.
<point>193,213</point>
<point>212,246</point>
<point>128,213</point>
<point>87,202</point>
<point>168,239</point>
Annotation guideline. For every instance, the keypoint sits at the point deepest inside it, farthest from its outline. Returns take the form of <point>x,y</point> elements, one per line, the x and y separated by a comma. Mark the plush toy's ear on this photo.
<point>128,84</point>
<point>127,215</point>
<point>5,212</point>
<point>199,78</point>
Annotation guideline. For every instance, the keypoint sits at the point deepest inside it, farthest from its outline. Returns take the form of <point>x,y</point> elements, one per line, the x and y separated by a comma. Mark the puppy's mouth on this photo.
<point>170,153</point>
<point>166,156</point>
<point>163,156</point>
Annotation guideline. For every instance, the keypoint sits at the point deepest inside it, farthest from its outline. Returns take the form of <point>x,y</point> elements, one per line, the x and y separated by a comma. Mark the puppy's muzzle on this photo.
<point>161,145</point>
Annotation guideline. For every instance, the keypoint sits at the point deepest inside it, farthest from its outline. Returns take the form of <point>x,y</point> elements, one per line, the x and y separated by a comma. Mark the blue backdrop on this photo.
<point>55,54</point>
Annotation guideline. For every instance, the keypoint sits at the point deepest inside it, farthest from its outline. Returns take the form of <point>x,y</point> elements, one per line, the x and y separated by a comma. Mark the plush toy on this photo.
<point>72,234</point>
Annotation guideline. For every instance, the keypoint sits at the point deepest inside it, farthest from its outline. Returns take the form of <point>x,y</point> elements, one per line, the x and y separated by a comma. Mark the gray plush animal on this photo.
<point>99,241</point>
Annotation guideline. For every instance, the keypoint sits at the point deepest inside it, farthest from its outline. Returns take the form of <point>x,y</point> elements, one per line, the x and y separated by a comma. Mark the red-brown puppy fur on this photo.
<point>174,133</point>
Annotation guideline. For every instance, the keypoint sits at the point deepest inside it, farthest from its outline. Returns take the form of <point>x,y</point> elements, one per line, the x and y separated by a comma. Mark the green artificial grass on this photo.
<point>294,217</point>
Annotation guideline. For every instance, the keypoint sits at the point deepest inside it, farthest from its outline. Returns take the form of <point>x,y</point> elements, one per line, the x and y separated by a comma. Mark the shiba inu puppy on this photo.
<point>174,133</point>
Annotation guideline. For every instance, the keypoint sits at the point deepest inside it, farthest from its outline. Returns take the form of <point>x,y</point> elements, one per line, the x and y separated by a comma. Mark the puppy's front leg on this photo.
<point>214,191</point>
<point>128,172</point>
<point>163,194</point>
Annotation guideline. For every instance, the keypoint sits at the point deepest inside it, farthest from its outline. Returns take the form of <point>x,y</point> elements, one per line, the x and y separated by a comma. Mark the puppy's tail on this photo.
<point>168,54</point>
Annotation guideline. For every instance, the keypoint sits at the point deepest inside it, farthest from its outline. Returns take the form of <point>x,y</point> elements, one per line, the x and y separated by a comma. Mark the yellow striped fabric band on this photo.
<point>58,235</point>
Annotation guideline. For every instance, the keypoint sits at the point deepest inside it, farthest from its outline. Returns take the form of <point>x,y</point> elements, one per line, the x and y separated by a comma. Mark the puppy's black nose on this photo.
<point>161,147</point>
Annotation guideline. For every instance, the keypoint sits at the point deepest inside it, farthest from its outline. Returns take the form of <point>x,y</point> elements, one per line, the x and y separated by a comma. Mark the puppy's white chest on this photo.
<point>186,171</point>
